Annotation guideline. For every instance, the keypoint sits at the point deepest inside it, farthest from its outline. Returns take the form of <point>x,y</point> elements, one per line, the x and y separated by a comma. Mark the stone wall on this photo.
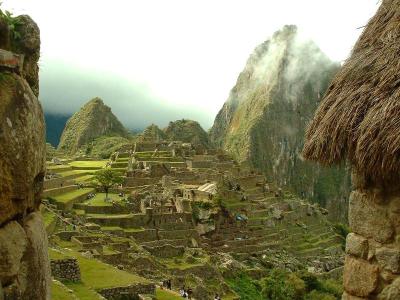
<point>58,191</point>
<point>135,181</point>
<point>65,269</point>
<point>166,251</point>
<point>128,292</point>
<point>372,264</point>
<point>24,265</point>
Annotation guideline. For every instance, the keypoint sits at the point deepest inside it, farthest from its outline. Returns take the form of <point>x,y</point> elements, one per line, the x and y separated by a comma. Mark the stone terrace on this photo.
<point>168,210</point>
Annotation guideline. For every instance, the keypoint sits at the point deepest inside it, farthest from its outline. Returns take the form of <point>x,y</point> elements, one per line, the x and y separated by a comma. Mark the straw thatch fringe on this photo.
<point>359,118</point>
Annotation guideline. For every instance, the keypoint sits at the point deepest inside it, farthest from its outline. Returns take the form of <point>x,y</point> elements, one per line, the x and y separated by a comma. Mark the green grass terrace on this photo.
<point>95,275</point>
<point>99,200</point>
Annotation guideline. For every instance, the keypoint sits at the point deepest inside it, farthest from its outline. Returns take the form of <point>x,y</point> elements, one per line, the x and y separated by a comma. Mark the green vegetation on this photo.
<point>179,263</point>
<point>74,172</point>
<point>93,273</point>
<point>166,295</point>
<point>245,287</point>
<point>342,230</point>
<point>98,200</point>
<point>56,254</point>
<point>66,197</point>
<point>187,131</point>
<point>48,217</point>
<point>59,292</point>
<point>82,291</point>
<point>58,167</point>
<point>107,178</point>
<point>284,285</point>
<point>104,146</point>
<point>152,133</point>
<point>83,179</point>
<point>50,151</point>
<point>88,163</point>
<point>196,206</point>
<point>12,22</point>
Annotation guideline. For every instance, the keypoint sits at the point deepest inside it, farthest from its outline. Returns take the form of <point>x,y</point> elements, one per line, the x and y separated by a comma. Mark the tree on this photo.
<point>107,178</point>
<point>282,285</point>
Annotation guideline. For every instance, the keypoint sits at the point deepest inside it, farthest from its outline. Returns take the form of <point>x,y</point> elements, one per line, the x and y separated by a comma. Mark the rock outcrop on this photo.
<point>263,121</point>
<point>152,133</point>
<point>93,120</point>
<point>187,131</point>
<point>24,265</point>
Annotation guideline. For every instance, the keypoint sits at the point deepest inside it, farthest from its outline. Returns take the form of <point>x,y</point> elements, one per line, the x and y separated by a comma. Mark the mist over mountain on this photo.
<point>262,123</point>
<point>65,88</point>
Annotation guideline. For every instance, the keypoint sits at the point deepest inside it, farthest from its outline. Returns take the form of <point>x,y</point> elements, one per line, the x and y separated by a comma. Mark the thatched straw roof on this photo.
<point>359,117</point>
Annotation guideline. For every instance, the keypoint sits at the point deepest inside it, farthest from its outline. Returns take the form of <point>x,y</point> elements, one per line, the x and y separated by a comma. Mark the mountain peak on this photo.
<point>93,120</point>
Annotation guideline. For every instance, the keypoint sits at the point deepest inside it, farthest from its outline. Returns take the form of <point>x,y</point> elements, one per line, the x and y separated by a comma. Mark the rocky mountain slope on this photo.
<point>93,120</point>
<point>152,133</point>
<point>24,264</point>
<point>188,131</point>
<point>263,121</point>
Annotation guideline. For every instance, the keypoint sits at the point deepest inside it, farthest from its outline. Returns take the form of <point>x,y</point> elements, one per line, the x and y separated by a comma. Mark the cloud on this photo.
<point>65,88</point>
<point>170,59</point>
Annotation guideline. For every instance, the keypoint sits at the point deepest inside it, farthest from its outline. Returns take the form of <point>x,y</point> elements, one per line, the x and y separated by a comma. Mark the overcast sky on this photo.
<point>156,61</point>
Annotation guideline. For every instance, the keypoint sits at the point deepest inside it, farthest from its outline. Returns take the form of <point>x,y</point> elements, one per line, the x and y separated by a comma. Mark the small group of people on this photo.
<point>167,284</point>
<point>80,185</point>
<point>186,293</point>
<point>90,196</point>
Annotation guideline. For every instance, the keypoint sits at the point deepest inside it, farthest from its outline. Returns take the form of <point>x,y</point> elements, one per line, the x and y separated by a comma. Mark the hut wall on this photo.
<point>372,264</point>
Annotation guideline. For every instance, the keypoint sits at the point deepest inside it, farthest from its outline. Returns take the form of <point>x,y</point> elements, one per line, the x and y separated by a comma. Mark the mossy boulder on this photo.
<point>24,265</point>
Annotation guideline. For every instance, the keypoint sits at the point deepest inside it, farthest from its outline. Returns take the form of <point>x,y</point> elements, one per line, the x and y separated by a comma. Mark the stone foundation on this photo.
<point>65,269</point>
<point>372,265</point>
<point>128,292</point>
<point>166,251</point>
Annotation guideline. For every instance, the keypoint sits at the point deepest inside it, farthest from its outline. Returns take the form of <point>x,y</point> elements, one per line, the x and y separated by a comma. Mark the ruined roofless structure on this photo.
<point>359,120</point>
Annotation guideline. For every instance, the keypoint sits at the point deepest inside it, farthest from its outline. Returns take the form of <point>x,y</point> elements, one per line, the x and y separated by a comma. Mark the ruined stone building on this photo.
<point>358,121</point>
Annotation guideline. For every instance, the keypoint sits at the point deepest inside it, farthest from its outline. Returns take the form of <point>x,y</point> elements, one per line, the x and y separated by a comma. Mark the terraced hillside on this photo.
<point>196,219</point>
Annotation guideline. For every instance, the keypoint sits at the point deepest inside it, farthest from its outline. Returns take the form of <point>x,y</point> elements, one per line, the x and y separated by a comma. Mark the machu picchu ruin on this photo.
<point>127,174</point>
<point>183,213</point>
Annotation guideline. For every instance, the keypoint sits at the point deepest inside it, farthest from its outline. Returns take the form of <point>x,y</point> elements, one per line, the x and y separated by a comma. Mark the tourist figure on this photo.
<point>183,292</point>
<point>217,297</point>
<point>189,293</point>
<point>169,285</point>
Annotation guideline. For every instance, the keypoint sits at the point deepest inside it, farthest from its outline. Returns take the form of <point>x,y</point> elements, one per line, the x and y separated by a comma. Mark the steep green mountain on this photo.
<point>263,121</point>
<point>152,133</point>
<point>188,131</point>
<point>93,120</point>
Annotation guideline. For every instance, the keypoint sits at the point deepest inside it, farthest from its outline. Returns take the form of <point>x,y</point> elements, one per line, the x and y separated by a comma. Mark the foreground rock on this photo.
<point>24,265</point>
